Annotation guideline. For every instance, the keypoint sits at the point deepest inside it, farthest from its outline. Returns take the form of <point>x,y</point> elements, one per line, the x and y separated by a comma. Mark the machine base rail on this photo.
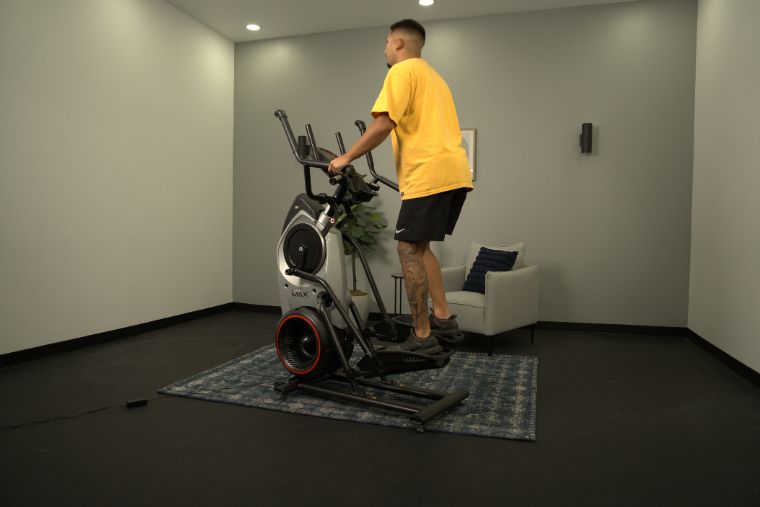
<point>402,362</point>
<point>418,412</point>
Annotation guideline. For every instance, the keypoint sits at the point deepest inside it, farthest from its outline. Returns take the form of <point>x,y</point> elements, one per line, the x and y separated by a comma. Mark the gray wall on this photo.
<point>611,231</point>
<point>725,276</point>
<point>115,167</point>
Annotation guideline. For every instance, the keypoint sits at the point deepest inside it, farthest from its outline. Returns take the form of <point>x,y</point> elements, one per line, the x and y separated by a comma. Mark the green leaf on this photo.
<point>363,226</point>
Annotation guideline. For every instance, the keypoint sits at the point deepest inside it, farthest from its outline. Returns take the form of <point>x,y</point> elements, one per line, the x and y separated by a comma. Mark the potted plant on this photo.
<point>363,224</point>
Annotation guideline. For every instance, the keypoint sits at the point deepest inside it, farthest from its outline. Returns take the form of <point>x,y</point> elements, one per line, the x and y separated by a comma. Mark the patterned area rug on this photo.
<point>502,401</point>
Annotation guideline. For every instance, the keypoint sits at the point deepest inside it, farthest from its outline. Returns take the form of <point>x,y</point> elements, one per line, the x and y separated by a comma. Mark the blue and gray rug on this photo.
<point>502,401</point>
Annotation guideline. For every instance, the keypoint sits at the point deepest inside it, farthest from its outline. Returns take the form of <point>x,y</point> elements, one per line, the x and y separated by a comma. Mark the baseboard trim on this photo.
<point>85,341</point>
<point>583,327</point>
<point>737,366</point>
<point>107,336</point>
<point>682,332</point>
<point>256,308</point>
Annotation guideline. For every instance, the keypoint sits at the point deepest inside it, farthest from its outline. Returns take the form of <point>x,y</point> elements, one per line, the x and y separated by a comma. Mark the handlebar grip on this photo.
<point>318,164</point>
<point>337,178</point>
<point>360,125</point>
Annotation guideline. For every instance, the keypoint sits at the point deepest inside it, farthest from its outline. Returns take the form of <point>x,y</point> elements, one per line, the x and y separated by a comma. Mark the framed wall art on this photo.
<point>468,143</point>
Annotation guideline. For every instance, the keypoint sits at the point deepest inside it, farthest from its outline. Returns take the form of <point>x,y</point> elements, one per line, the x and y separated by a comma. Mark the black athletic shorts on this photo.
<point>429,218</point>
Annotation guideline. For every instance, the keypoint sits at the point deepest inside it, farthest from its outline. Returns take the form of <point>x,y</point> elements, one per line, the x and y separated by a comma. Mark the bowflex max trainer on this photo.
<point>320,325</point>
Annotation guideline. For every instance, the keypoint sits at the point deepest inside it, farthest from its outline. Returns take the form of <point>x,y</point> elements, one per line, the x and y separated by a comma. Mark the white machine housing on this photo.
<point>295,291</point>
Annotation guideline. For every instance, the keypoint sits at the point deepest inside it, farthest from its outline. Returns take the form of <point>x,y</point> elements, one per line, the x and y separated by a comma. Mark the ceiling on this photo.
<point>283,18</point>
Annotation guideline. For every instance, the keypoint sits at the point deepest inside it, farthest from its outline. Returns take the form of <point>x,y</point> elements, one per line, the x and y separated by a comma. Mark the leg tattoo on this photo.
<point>416,282</point>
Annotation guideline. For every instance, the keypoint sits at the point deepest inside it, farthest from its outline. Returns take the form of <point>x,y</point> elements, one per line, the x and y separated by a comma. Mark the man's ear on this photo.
<point>400,43</point>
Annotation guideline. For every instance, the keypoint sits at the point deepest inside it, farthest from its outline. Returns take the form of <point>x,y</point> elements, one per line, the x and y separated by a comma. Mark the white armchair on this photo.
<point>510,300</point>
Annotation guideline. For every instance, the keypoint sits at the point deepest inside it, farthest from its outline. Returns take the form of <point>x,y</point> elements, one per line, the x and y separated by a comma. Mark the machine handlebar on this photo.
<point>319,164</point>
<point>322,164</point>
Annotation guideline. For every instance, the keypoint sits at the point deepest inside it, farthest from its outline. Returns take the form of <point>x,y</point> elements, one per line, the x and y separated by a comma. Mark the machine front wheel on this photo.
<point>304,345</point>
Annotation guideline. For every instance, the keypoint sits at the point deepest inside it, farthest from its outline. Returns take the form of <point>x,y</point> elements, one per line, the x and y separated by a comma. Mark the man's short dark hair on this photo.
<point>409,25</point>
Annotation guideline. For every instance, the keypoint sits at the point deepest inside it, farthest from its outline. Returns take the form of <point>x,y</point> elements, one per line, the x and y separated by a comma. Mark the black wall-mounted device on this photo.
<point>586,137</point>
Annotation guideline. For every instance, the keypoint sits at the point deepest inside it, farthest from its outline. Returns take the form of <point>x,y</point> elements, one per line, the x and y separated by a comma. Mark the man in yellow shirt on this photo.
<point>415,106</point>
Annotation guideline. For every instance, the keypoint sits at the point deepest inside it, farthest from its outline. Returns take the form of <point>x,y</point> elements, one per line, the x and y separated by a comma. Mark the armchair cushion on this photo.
<point>453,278</point>
<point>469,307</point>
<point>487,260</point>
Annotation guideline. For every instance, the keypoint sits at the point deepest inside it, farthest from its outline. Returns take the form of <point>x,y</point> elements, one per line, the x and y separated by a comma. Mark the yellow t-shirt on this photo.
<point>427,142</point>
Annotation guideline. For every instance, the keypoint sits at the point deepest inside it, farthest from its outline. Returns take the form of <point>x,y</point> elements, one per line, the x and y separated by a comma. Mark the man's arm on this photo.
<point>376,133</point>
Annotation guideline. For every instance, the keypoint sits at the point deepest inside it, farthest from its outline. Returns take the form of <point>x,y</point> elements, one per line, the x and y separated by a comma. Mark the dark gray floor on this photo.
<point>622,420</point>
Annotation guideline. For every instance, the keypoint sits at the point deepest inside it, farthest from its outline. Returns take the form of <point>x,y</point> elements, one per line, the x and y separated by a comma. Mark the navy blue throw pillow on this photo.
<point>487,260</point>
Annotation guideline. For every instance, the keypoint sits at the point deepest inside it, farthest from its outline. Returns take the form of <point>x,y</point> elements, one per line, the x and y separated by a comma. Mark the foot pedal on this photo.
<point>395,361</point>
<point>448,337</point>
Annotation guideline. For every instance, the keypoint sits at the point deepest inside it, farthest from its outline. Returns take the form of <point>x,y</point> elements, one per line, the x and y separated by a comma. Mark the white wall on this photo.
<point>611,231</point>
<point>724,299</point>
<point>115,167</point>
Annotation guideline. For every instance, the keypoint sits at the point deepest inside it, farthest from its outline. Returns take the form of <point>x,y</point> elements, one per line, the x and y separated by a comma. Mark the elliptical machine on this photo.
<point>320,325</point>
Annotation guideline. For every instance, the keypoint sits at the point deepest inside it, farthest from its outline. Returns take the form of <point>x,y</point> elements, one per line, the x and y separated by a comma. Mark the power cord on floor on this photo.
<point>138,402</point>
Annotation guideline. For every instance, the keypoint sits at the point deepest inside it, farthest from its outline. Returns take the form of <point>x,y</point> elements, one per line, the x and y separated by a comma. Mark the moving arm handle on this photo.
<point>341,145</point>
<point>319,164</point>
<point>371,162</point>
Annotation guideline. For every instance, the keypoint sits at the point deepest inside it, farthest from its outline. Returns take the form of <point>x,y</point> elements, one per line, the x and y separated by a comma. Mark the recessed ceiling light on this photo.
<point>427,3</point>
<point>253,28</point>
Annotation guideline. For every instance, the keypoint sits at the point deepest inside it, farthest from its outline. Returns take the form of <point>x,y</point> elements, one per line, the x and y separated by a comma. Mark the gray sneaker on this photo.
<point>427,346</point>
<point>449,324</point>
<point>446,330</point>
